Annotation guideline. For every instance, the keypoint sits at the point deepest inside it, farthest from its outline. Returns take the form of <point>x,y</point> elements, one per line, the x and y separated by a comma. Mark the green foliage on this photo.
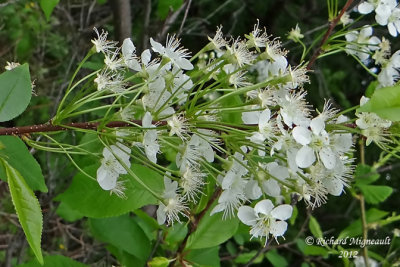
<point>48,7</point>
<point>275,259</point>
<point>17,155</point>
<point>85,195</point>
<point>212,231</point>
<point>123,233</point>
<point>158,262</point>
<point>375,194</point>
<point>311,250</point>
<point>16,91</point>
<point>204,257</point>
<point>54,261</point>
<point>385,102</point>
<point>365,174</point>
<point>355,228</point>
<point>314,227</point>
<point>27,208</point>
<point>164,7</point>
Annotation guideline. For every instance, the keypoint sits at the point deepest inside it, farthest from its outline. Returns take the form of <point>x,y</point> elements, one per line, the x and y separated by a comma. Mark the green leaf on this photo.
<point>54,261</point>
<point>86,196</point>
<point>16,91</point>
<point>48,6</point>
<point>124,233</point>
<point>355,229</point>
<point>159,262</point>
<point>375,194</point>
<point>212,231</point>
<point>204,257</point>
<point>246,257</point>
<point>27,208</point>
<point>311,249</point>
<point>275,259</point>
<point>165,6</point>
<point>365,174</point>
<point>314,227</point>
<point>385,102</point>
<point>17,155</point>
<point>67,213</point>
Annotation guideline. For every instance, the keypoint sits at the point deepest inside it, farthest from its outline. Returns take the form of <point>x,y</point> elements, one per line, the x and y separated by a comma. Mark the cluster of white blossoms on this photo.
<point>362,44</point>
<point>233,115</point>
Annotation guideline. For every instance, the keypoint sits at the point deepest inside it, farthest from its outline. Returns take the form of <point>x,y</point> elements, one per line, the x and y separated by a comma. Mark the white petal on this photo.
<point>184,64</point>
<point>252,190</point>
<point>218,208</point>
<point>343,142</point>
<point>147,120</point>
<point>334,186</point>
<point>271,188</point>
<point>278,228</point>
<point>302,135</point>
<point>317,125</point>
<point>107,179</point>
<point>161,214</point>
<point>366,31</point>
<point>146,56</point>
<point>157,47</point>
<point>246,215</point>
<point>278,171</point>
<point>305,157</point>
<point>328,158</point>
<point>128,48</point>
<point>392,29</point>
<point>365,8</point>
<point>264,206</point>
<point>282,212</point>
<point>251,117</point>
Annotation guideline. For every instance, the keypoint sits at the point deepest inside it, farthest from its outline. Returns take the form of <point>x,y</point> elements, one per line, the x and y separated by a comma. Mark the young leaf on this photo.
<point>355,228</point>
<point>54,261</point>
<point>314,227</point>
<point>375,194</point>
<point>124,233</point>
<point>204,257</point>
<point>48,6</point>
<point>16,92</point>
<point>212,231</point>
<point>27,208</point>
<point>86,196</point>
<point>18,156</point>
<point>385,102</point>
<point>275,259</point>
<point>365,174</point>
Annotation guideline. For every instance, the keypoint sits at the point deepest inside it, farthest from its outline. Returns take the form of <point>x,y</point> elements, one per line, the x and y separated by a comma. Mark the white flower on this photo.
<point>361,43</point>
<point>129,56</point>
<point>191,182</point>
<point>178,126</point>
<point>11,65</point>
<point>233,186</point>
<point>107,80</point>
<point>294,109</point>
<point>195,150</point>
<point>218,41</point>
<point>172,206</point>
<point>173,52</point>
<point>102,44</point>
<point>394,22</point>
<point>150,143</point>
<point>111,168</point>
<point>238,54</point>
<point>383,9</point>
<point>257,38</point>
<point>265,219</point>
<point>345,19</point>
<point>295,34</point>
<point>389,74</point>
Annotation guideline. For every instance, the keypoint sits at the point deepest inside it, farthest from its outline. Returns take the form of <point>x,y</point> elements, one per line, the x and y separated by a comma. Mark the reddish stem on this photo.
<point>332,25</point>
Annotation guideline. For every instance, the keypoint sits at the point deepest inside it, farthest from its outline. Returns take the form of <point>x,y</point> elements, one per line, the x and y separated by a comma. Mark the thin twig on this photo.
<point>184,17</point>
<point>332,25</point>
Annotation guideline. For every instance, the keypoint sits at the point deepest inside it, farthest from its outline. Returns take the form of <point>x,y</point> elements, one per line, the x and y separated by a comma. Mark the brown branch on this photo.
<point>332,25</point>
<point>195,224</point>
<point>48,127</point>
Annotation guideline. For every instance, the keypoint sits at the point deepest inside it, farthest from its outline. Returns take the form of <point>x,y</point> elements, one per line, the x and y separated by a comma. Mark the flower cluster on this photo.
<point>233,115</point>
